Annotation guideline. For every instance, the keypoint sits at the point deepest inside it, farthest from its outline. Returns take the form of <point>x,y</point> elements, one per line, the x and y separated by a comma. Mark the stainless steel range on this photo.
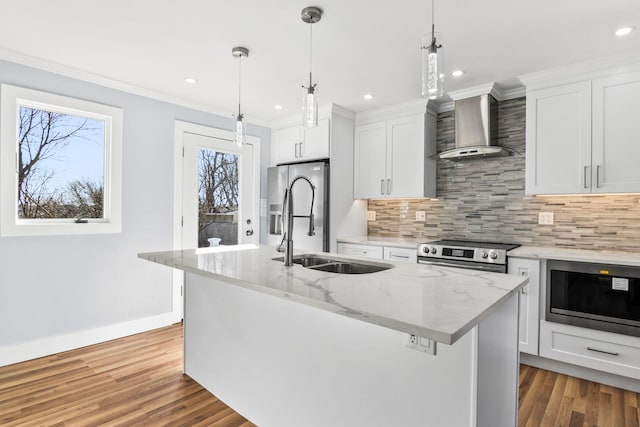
<point>465,254</point>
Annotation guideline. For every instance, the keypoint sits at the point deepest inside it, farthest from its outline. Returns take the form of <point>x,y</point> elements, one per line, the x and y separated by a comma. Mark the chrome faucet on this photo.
<point>287,237</point>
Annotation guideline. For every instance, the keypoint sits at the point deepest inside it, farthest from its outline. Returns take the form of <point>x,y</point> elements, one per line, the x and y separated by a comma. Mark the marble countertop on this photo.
<point>396,242</point>
<point>439,303</point>
<point>580,255</point>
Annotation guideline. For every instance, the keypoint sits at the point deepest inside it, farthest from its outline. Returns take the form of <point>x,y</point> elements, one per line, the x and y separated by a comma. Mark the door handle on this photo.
<point>603,351</point>
<point>249,232</point>
<point>585,177</point>
<point>389,186</point>
<point>598,176</point>
<point>382,187</point>
<point>295,150</point>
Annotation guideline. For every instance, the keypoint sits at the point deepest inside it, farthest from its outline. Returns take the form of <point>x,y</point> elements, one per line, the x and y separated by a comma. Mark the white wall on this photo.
<point>57,292</point>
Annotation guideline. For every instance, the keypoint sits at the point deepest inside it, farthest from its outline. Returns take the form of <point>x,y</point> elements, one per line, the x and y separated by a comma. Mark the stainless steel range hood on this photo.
<point>476,129</point>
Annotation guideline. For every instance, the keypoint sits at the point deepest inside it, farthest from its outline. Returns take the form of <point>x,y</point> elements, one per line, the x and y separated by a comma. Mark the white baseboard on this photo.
<point>20,352</point>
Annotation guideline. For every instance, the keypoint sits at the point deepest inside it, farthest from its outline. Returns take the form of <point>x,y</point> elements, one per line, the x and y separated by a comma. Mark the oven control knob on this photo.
<point>483,254</point>
<point>425,249</point>
<point>434,250</point>
<point>493,255</point>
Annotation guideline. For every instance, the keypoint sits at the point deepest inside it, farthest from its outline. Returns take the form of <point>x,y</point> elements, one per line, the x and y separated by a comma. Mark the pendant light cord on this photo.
<point>239,83</point>
<point>310,52</point>
<point>433,25</point>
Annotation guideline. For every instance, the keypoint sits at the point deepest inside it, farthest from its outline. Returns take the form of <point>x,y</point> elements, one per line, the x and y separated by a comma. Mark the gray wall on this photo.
<point>484,200</point>
<point>57,285</point>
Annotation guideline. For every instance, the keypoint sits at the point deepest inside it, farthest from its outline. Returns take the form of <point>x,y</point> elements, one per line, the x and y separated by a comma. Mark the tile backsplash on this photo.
<point>484,200</point>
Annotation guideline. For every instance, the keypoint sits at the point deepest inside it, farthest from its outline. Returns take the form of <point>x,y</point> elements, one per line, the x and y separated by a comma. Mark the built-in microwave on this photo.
<point>597,296</point>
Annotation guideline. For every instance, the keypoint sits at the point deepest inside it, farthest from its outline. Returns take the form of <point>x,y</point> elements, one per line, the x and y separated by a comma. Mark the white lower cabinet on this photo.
<point>529,302</point>
<point>604,351</point>
<point>368,251</point>
<point>390,253</point>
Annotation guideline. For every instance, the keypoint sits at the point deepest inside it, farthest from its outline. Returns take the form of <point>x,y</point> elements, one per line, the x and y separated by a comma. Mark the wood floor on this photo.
<point>138,381</point>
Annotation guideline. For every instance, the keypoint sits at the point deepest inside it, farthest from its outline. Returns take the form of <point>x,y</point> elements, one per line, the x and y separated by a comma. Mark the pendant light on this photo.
<point>310,15</point>
<point>240,133</point>
<point>432,63</point>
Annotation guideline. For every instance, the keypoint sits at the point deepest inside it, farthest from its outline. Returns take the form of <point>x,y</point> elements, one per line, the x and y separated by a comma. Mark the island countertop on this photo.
<point>439,303</point>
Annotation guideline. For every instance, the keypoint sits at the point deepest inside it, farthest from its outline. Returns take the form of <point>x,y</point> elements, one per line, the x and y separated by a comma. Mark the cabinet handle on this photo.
<point>382,187</point>
<point>585,177</point>
<point>295,150</point>
<point>598,176</point>
<point>603,351</point>
<point>389,186</point>
<point>301,147</point>
<point>399,256</point>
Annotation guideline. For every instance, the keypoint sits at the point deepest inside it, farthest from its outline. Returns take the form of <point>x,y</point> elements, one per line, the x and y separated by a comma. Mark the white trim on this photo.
<point>513,93</point>
<point>415,106</point>
<point>20,352</point>
<point>14,96</point>
<point>75,73</point>
<point>587,70</point>
<point>324,112</point>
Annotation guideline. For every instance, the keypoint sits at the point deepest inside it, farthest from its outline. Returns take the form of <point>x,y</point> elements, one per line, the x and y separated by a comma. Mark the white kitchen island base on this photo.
<point>280,363</point>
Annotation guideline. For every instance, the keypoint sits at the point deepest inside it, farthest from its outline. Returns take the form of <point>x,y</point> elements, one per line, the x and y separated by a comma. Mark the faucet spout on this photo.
<point>287,239</point>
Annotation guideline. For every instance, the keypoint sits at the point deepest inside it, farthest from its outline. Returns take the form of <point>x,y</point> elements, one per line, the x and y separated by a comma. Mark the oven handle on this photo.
<point>480,267</point>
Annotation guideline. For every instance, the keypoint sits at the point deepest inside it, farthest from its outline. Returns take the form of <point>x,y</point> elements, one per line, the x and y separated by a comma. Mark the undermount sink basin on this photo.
<point>337,265</point>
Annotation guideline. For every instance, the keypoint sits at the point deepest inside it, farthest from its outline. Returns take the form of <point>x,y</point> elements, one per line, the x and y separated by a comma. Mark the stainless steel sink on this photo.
<point>337,265</point>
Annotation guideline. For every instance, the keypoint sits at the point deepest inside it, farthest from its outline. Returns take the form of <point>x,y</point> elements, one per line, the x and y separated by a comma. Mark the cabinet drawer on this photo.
<point>368,251</point>
<point>400,254</point>
<point>617,354</point>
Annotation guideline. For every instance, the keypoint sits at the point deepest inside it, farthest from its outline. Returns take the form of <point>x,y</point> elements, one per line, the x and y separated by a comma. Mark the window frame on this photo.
<point>14,97</point>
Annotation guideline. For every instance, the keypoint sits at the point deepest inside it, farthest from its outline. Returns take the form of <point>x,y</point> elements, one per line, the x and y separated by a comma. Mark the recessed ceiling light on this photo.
<point>278,107</point>
<point>191,80</point>
<point>368,96</point>
<point>624,31</point>
<point>457,73</point>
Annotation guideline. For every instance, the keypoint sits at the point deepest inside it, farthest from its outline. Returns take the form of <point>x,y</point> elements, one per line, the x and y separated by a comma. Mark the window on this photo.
<point>60,164</point>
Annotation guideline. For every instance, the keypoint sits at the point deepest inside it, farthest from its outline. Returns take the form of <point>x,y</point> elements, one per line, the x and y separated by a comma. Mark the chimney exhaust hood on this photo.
<point>476,122</point>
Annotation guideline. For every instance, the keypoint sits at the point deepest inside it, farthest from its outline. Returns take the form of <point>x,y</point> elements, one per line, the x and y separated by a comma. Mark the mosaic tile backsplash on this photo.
<point>484,200</point>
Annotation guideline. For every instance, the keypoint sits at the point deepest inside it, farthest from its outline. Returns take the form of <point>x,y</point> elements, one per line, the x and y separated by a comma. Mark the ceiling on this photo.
<point>359,46</point>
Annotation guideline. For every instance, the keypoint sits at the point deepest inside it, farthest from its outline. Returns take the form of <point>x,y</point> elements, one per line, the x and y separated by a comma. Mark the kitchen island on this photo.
<point>291,346</point>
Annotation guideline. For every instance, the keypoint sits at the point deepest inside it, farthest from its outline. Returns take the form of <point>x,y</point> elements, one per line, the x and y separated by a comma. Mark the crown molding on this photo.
<point>325,111</point>
<point>86,76</point>
<point>415,106</point>
<point>494,89</point>
<point>585,70</point>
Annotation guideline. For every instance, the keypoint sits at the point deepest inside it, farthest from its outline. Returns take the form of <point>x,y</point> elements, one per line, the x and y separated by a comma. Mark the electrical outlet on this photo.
<point>424,345</point>
<point>371,215</point>
<point>545,218</point>
<point>421,216</point>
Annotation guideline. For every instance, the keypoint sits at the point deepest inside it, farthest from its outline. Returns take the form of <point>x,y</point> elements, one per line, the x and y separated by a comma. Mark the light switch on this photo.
<point>421,216</point>
<point>371,215</point>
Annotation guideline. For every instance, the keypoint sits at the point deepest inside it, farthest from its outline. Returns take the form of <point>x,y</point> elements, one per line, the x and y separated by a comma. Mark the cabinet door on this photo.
<point>558,143</point>
<point>405,156</point>
<point>529,302</point>
<point>316,141</point>
<point>286,145</point>
<point>370,154</point>
<point>367,251</point>
<point>616,134</point>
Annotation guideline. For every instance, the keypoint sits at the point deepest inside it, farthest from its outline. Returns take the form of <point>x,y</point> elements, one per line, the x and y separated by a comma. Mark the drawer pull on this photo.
<point>603,351</point>
<point>400,256</point>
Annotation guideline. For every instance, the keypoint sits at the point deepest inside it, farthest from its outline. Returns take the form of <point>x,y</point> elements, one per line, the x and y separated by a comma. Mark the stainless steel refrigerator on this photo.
<point>279,178</point>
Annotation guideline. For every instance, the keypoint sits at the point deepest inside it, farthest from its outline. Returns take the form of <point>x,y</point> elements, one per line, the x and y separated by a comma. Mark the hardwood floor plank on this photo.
<point>138,381</point>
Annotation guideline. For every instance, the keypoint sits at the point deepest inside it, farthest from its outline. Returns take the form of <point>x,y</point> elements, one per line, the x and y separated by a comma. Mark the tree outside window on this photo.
<point>60,165</point>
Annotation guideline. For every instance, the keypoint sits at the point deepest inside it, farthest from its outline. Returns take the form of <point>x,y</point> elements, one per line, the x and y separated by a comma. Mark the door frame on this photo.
<point>182,127</point>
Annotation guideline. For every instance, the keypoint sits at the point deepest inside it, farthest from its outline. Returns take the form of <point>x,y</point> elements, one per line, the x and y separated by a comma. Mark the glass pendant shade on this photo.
<point>432,66</point>
<point>240,134</point>
<point>309,106</point>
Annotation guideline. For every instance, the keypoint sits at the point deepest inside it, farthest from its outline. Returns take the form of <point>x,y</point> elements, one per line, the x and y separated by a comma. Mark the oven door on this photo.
<point>594,296</point>
<point>495,268</point>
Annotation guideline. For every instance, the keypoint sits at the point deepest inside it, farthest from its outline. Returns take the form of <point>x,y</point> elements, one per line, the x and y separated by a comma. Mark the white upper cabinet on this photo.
<point>584,137</point>
<point>616,134</point>
<point>298,144</point>
<point>392,158</point>
<point>558,147</point>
